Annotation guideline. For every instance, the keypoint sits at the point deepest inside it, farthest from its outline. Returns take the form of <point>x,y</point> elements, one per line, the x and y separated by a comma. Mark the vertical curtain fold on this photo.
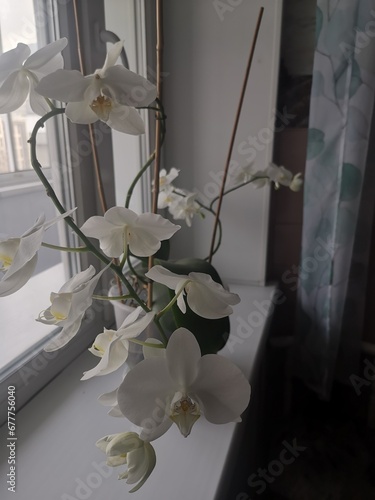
<point>338,209</point>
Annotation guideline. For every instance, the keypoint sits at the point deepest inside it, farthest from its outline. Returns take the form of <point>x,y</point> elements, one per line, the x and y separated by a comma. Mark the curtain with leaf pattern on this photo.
<point>338,195</point>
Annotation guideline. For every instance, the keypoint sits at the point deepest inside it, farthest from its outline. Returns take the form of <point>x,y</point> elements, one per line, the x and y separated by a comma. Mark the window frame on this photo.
<point>34,370</point>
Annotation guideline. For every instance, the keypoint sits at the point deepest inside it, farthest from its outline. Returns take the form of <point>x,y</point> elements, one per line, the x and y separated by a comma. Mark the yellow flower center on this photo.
<point>102,106</point>
<point>5,261</point>
<point>58,316</point>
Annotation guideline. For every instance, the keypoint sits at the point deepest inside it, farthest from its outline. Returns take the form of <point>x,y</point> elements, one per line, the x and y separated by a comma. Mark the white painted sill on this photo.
<point>56,431</point>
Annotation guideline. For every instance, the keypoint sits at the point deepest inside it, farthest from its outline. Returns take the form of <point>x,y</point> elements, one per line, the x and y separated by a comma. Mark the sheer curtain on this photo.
<point>338,195</point>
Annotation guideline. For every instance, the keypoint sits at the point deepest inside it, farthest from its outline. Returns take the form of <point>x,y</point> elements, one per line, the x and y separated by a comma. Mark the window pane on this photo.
<point>23,198</point>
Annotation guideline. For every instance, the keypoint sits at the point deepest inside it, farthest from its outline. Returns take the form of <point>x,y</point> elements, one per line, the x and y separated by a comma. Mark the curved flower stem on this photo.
<point>234,188</point>
<point>151,158</point>
<point>137,177</point>
<point>162,333</point>
<point>134,271</point>
<point>170,304</point>
<point>65,249</point>
<point>69,220</point>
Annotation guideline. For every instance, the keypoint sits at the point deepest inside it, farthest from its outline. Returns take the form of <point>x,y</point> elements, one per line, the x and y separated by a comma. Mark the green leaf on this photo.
<point>211,335</point>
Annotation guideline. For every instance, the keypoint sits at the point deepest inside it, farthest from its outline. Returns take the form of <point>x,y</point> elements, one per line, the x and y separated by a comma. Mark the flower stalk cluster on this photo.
<point>174,377</point>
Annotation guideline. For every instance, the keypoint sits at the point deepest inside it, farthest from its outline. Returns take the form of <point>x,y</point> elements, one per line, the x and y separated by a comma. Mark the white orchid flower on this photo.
<point>127,448</point>
<point>69,305</point>
<point>185,207</point>
<point>204,296</point>
<point>113,346</point>
<point>121,227</point>
<point>283,177</point>
<point>166,197</point>
<point>181,387</point>
<point>166,178</point>
<point>242,174</point>
<point>110,94</point>
<point>20,72</point>
<point>18,256</point>
<point>296,183</point>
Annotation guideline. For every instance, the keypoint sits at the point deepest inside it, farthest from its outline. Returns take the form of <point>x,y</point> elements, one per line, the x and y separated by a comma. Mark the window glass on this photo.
<point>23,198</point>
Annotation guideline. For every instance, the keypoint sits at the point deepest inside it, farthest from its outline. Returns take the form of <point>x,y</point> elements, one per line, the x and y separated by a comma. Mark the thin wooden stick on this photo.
<point>159,66</point>
<point>99,181</point>
<point>234,131</point>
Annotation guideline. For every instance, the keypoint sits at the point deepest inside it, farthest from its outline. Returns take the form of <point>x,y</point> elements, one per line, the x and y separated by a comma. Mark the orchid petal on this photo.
<point>153,352</point>
<point>115,412</point>
<point>156,429</point>
<point>133,330</point>
<point>42,57</point>
<point>81,301</point>
<point>64,85</point>
<point>80,112</point>
<point>102,342</point>
<point>183,354</point>
<point>128,88</point>
<point>108,398</point>
<point>127,120</point>
<point>18,279</point>
<point>110,237</point>
<point>221,389</point>
<point>114,357</point>
<point>162,275</point>
<point>66,334</point>
<point>78,280</point>
<point>137,465</point>
<point>12,60</point>
<point>112,55</point>
<point>121,216</point>
<point>209,299</point>
<point>38,103</point>
<point>145,391</point>
<point>13,92</point>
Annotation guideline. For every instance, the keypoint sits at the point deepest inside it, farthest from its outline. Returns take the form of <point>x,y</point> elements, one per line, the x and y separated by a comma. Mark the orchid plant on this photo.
<point>189,305</point>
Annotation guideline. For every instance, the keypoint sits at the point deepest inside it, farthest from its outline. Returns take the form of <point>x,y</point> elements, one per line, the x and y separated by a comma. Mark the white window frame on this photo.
<point>32,371</point>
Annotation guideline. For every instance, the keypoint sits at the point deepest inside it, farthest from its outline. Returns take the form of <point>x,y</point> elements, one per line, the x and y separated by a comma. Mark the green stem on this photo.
<point>170,304</point>
<point>162,333</point>
<point>150,159</point>
<point>134,271</point>
<point>65,249</point>
<point>69,220</point>
<point>234,188</point>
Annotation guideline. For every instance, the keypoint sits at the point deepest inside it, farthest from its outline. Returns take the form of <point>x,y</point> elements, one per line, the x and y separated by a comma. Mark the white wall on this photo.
<point>205,56</point>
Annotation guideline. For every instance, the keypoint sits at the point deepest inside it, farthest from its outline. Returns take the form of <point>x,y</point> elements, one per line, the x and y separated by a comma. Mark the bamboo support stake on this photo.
<point>234,131</point>
<point>159,66</point>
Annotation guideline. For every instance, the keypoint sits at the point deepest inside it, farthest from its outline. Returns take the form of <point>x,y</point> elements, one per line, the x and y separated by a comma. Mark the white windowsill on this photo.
<point>56,431</point>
